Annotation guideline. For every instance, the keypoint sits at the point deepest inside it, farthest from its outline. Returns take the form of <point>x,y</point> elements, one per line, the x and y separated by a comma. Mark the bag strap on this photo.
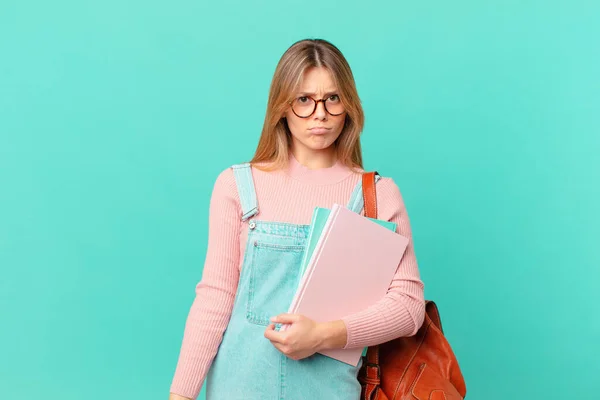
<point>433,314</point>
<point>369,194</point>
<point>372,359</point>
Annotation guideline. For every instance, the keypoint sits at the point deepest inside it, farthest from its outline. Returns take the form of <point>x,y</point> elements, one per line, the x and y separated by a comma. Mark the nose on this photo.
<point>320,112</point>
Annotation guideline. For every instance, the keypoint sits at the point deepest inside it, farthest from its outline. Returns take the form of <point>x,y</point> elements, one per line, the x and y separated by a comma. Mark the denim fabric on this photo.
<point>247,366</point>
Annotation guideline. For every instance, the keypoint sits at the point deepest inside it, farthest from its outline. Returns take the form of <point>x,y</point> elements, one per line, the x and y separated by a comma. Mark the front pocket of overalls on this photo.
<point>273,280</point>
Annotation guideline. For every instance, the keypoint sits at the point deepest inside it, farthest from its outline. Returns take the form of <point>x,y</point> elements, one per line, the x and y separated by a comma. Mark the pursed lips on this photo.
<point>319,130</point>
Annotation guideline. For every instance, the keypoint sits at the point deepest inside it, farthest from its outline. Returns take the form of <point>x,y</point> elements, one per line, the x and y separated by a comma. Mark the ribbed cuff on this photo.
<point>369,328</point>
<point>188,379</point>
<point>181,389</point>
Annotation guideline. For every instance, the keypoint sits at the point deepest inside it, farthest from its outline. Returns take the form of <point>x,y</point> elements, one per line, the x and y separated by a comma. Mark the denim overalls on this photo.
<point>247,366</point>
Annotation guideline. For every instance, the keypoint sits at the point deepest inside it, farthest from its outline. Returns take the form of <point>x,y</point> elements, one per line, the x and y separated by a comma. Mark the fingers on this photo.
<point>281,342</point>
<point>286,318</point>
<point>273,335</point>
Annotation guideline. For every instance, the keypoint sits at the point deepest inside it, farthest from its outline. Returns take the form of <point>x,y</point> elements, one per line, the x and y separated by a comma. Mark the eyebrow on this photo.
<point>312,94</point>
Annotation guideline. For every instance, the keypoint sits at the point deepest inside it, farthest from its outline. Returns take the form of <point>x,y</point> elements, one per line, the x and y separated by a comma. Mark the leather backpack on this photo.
<point>419,367</point>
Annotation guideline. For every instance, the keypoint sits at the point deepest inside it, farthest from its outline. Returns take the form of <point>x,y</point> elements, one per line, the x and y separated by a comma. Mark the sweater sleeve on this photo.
<point>401,311</point>
<point>211,309</point>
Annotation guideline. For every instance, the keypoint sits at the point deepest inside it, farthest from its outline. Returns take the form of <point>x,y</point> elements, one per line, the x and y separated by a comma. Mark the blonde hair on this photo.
<point>275,138</point>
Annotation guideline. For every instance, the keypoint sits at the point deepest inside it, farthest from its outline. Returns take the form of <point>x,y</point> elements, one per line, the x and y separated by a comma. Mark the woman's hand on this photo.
<point>299,340</point>
<point>304,337</point>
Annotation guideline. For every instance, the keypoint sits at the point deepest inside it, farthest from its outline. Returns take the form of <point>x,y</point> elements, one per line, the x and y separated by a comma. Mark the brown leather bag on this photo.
<point>422,366</point>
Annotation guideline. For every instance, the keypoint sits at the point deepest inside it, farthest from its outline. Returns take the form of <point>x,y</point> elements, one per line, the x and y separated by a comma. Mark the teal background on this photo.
<point>116,117</point>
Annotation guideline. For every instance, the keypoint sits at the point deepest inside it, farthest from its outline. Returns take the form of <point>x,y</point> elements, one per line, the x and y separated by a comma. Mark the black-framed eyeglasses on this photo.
<point>305,106</point>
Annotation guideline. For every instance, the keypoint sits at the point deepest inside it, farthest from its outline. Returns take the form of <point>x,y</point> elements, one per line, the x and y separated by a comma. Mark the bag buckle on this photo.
<point>376,367</point>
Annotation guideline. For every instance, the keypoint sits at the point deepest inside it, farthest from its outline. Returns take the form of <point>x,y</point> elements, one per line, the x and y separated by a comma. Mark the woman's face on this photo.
<point>319,130</point>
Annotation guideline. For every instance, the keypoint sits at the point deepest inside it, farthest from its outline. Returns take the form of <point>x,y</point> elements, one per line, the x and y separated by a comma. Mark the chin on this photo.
<point>320,146</point>
<point>316,143</point>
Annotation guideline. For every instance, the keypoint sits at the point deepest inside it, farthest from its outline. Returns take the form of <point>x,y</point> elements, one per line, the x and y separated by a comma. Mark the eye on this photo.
<point>302,99</point>
<point>334,98</point>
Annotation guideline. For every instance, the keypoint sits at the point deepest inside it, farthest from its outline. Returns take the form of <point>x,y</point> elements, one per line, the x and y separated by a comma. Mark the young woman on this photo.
<point>308,155</point>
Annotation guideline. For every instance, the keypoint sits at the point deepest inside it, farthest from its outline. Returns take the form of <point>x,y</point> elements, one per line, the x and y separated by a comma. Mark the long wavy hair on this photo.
<point>275,139</point>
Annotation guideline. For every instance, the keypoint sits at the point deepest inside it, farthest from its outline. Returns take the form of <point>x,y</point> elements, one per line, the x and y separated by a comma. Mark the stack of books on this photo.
<point>348,265</point>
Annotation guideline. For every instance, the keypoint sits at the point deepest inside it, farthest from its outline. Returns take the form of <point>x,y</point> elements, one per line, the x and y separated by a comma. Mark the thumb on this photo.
<point>285,318</point>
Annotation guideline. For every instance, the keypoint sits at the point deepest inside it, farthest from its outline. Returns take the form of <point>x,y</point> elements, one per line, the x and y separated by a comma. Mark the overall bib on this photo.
<point>247,366</point>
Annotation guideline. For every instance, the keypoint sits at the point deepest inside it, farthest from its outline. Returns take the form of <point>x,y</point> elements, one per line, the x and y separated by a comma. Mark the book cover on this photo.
<point>351,268</point>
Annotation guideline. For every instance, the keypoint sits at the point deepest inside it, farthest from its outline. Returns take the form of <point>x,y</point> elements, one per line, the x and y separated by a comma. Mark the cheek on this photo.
<point>339,123</point>
<point>295,124</point>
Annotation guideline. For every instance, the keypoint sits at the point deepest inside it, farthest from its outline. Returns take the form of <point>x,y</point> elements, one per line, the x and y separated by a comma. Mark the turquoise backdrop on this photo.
<point>116,117</point>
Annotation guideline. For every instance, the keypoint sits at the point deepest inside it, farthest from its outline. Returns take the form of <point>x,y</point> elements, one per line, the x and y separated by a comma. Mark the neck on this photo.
<point>315,159</point>
<point>317,169</point>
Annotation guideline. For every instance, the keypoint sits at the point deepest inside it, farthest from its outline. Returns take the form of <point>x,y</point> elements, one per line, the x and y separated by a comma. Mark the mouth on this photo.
<point>319,130</point>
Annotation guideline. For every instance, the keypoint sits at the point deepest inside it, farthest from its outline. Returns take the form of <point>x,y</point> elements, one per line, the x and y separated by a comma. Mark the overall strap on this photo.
<point>246,191</point>
<point>357,200</point>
